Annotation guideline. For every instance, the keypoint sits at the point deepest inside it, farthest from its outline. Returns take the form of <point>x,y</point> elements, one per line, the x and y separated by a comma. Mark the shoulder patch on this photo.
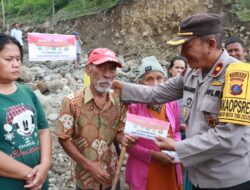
<point>235,103</point>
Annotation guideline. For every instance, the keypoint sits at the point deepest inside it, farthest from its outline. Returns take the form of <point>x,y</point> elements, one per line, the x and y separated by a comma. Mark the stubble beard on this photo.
<point>102,89</point>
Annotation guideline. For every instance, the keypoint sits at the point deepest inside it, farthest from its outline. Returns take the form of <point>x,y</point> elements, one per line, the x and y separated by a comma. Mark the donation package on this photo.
<point>145,127</point>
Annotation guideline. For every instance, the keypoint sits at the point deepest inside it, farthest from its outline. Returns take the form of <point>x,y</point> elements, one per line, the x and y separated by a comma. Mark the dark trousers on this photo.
<point>243,186</point>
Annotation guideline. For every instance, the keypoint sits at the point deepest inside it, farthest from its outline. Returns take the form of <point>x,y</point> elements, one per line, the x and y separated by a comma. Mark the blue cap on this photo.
<point>75,33</point>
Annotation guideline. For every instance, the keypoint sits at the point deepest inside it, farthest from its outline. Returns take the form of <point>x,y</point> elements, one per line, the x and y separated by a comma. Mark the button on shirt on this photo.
<point>93,132</point>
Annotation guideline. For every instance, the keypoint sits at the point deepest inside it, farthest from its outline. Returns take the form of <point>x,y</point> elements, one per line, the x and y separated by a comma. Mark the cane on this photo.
<point>118,169</point>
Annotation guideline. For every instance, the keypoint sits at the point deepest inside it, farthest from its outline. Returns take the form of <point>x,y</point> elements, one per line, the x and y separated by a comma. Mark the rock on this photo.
<point>25,74</point>
<point>56,84</point>
<point>52,116</point>
<point>126,69</point>
<point>42,86</point>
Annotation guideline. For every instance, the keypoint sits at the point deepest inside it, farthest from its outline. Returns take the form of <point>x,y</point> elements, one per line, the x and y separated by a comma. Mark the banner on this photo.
<point>235,103</point>
<point>51,47</point>
<point>145,127</point>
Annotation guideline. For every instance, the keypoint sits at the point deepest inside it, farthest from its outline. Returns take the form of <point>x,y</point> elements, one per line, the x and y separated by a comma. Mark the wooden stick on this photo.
<point>118,169</point>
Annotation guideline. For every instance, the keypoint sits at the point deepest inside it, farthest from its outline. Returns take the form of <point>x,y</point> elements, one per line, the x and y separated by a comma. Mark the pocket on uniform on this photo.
<point>210,106</point>
<point>210,109</point>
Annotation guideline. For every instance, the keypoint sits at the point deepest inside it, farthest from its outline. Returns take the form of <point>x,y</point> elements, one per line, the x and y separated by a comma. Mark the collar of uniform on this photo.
<point>88,95</point>
<point>219,65</point>
<point>197,72</point>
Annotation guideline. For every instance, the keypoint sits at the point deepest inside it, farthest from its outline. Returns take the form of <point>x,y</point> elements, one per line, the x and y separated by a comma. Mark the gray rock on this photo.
<point>25,74</point>
<point>52,116</point>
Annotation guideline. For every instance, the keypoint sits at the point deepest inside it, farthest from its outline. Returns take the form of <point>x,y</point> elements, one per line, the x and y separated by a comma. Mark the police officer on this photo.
<point>216,151</point>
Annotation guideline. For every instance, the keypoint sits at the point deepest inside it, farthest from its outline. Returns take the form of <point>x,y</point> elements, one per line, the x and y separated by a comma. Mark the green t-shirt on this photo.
<point>21,116</point>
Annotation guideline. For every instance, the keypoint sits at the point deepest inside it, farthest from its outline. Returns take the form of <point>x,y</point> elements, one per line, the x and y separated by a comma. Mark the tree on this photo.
<point>53,7</point>
<point>3,13</point>
<point>83,3</point>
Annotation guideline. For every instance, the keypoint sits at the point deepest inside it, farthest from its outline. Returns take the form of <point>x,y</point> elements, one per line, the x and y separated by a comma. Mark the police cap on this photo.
<point>197,25</point>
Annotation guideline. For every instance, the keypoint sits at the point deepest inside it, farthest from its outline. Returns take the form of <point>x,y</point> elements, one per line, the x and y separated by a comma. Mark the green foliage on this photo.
<point>78,8</point>
<point>59,4</point>
<point>226,2</point>
<point>36,11</point>
<point>240,7</point>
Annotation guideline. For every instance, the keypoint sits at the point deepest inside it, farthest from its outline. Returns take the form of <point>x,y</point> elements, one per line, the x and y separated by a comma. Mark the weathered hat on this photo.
<point>102,55</point>
<point>150,64</point>
<point>197,25</point>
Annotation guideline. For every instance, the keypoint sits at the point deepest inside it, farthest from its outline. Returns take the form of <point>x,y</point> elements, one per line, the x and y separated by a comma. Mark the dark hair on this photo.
<point>6,39</point>
<point>177,58</point>
<point>234,39</point>
<point>218,38</point>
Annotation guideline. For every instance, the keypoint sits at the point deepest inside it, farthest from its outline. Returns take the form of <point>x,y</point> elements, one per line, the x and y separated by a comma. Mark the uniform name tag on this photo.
<point>235,104</point>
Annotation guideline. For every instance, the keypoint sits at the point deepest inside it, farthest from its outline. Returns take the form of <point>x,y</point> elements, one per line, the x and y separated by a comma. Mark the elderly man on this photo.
<point>216,150</point>
<point>91,120</point>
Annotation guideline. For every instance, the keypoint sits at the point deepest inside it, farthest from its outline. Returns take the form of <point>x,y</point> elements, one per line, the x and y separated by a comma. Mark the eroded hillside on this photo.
<point>142,27</point>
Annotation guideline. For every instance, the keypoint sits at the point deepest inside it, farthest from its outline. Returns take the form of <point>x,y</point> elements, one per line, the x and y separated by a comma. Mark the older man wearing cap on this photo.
<point>89,122</point>
<point>216,151</point>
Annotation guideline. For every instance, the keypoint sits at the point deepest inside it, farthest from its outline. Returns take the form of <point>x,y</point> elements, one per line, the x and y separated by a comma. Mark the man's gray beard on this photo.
<point>102,89</point>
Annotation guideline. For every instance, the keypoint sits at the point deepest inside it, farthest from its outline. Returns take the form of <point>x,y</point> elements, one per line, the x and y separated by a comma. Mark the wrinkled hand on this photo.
<point>162,158</point>
<point>37,177</point>
<point>97,172</point>
<point>116,85</point>
<point>165,143</point>
<point>129,140</point>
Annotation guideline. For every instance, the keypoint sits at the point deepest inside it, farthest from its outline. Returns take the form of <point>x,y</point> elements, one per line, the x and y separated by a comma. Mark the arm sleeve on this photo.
<point>41,117</point>
<point>122,118</point>
<point>140,153</point>
<point>177,134</point>
<point>12,33</point>
<point>65,120</point>
<point>137,151</point>
<point>216,141</point>
<point>171,90</point>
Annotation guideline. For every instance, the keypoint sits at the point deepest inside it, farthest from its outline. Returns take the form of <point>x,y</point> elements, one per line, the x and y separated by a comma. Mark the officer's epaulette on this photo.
<point>218,68</point>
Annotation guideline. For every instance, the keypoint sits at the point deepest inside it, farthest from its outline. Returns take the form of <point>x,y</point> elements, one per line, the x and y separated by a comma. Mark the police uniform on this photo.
<point>216,154</point>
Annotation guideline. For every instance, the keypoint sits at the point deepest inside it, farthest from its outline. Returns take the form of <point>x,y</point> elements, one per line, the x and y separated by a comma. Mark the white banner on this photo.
<point>51,47</point>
